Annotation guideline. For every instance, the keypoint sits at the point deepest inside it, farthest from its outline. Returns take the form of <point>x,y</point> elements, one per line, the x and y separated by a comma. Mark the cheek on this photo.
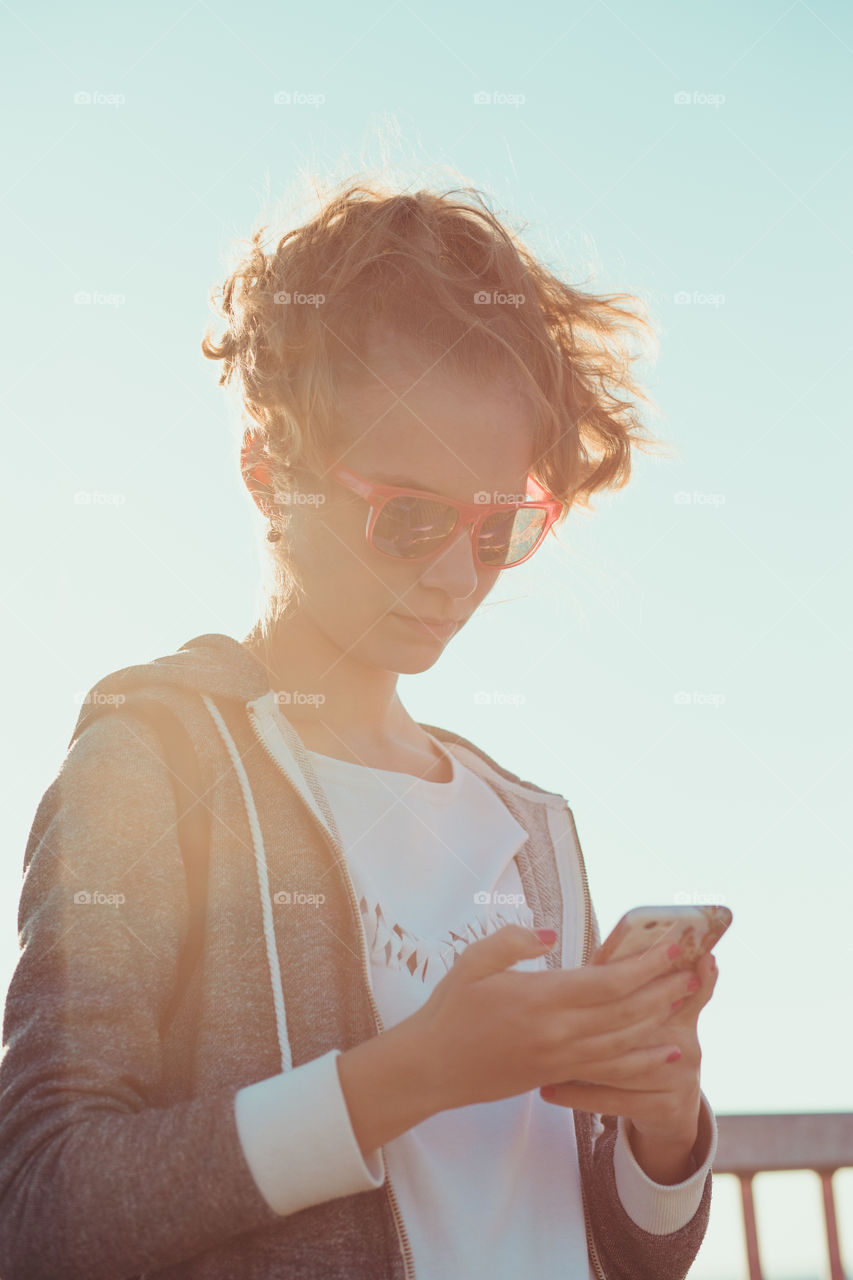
<point>338,567</point>
<point>324,543</point>
<point>486,582</point>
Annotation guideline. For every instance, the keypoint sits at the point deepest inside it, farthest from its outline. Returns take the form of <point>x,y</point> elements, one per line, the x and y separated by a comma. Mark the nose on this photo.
<point>454,570</point>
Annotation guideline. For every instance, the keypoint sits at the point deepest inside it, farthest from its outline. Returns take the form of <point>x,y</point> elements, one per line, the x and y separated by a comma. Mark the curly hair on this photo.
<point>443,273</point>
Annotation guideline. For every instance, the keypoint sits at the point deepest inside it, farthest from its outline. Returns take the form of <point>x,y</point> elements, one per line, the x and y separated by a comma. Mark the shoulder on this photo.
<point>484,764</point>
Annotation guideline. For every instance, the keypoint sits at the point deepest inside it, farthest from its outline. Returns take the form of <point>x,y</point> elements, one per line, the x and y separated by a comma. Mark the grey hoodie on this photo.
<point>120,1154</point>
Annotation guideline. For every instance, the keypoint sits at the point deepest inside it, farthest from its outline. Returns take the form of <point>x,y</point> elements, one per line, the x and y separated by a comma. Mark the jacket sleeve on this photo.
<point>98,1182</point>
<point>304,1110</point>
<point>627,1250</point>
<point>662,1209</point>
<point>643,1230</point>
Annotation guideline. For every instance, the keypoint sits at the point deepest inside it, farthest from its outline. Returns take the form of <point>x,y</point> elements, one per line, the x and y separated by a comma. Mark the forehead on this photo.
<point>420,423</point>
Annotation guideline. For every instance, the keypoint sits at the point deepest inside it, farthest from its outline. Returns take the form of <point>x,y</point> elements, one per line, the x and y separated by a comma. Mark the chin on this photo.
<point>412,666</point>
<point>405,660</point>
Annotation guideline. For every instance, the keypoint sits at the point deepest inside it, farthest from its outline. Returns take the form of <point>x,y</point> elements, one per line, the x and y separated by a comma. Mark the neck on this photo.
<point>327,688</point>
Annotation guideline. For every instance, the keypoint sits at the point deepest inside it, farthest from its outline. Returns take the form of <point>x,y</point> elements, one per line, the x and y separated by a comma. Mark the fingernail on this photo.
<point>547,1091</point>
<point>676,1004</point>
<point>694,984</point>
<point>674,951</point>
<point>674,1056</point>
<point>713,960</point>
<point>547,936</point>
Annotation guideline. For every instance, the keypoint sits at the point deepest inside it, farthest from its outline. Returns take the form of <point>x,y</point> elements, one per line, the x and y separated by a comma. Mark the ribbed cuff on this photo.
<point>298,1139</point>
<point>656,1208</point>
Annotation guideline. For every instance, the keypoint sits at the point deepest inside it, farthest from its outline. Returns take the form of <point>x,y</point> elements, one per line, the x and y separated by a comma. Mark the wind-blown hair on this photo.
<point>443,273</point>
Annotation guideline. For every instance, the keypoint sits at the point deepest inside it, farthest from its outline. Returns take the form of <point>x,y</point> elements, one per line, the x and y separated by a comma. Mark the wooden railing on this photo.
<point>751,1144</point>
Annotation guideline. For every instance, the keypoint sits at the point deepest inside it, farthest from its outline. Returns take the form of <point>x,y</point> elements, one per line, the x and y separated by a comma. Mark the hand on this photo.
<point>662,1102</point>
<point>488,1031</point>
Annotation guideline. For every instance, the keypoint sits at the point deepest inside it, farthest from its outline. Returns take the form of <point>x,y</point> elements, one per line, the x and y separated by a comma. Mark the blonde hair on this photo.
<point>441,272</point>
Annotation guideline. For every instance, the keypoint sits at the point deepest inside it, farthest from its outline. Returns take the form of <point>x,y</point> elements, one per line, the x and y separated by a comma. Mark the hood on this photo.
<point>216,664</point>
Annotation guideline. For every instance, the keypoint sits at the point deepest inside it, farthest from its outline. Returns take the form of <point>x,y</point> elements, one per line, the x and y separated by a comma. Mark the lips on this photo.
<point>436,626</point>
<point>431,622</point>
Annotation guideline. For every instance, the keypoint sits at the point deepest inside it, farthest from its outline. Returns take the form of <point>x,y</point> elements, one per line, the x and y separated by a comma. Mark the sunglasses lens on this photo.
<point>507,538</point>
<point>413,528</point>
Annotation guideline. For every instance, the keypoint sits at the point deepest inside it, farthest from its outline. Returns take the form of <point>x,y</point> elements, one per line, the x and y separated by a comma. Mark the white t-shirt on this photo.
<point>491,1189</point>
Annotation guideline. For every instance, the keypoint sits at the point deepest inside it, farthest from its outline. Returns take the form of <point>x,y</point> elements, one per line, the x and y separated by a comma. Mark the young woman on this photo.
<point>392,1057</point>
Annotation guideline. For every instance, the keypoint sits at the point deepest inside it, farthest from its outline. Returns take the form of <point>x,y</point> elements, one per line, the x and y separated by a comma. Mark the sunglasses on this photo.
<point>414,524</point>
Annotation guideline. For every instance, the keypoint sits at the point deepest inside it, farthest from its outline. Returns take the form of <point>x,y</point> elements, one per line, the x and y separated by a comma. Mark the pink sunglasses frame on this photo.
<point>472,514</point>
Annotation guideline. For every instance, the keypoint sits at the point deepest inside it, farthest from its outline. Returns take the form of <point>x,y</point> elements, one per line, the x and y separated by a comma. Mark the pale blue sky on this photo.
<point>698,152</point>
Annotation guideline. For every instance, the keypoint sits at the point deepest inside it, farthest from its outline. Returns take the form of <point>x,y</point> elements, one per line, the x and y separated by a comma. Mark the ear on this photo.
<point>257,471</point>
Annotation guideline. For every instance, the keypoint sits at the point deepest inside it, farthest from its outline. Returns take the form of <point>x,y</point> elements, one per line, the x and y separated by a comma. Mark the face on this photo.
<point>446,434</point>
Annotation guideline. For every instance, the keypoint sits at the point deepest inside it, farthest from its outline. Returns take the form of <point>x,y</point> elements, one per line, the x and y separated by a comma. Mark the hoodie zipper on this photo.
<point>587,939</point>
<point>402,1236</point>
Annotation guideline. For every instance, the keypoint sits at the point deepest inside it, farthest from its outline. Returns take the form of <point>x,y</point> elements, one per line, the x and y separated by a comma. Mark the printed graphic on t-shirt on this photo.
<point>397,948</point>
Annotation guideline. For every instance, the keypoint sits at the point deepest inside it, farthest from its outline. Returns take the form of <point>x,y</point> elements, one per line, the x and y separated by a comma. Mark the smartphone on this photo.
<point>696,929</point>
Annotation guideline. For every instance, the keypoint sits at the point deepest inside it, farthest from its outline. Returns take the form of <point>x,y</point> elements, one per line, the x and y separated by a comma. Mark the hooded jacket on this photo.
<point>120,1155</point>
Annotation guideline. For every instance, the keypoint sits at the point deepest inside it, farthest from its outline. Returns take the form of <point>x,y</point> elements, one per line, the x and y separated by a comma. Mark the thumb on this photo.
<point>503,948</point>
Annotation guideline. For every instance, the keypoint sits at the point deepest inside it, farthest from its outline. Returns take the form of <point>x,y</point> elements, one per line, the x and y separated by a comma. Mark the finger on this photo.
<point>630,1016</point>
<point>500,950</point>
<point>618,978</point>
<point>634,1068</point>
<point>597,1098</point>
<point>688,1012</point>
<point>708,973</point>
<point>616,1041</point>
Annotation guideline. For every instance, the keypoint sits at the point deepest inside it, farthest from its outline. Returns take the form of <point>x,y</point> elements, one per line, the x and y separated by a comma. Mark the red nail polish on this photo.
<point>547,1091</point>
<point>547,936</point>
<point>674,1056</point>
<point>674,951</point>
